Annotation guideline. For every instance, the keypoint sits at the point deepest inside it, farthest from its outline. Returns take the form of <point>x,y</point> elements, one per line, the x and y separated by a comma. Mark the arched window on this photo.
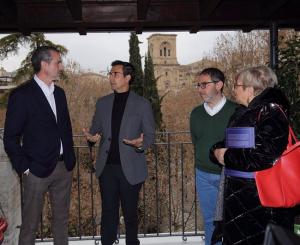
<point>165,49</point>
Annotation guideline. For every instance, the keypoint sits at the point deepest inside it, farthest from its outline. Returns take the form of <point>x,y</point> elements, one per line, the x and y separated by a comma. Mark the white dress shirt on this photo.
<point>213,111</point>
<point>48,92</point>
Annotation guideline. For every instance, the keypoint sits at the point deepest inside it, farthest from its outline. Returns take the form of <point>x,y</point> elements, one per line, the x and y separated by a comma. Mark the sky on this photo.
<point>95,51</point>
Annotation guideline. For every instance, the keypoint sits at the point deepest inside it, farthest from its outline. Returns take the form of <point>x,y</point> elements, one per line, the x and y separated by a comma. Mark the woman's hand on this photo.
<point>219,154</point>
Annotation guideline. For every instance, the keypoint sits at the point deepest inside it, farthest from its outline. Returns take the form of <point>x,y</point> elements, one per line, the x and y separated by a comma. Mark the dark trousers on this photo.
<point>114,188</point>
<point>58,184</point>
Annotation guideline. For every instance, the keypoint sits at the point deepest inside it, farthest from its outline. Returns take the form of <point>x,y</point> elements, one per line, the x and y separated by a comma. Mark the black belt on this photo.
<point>61,158</point>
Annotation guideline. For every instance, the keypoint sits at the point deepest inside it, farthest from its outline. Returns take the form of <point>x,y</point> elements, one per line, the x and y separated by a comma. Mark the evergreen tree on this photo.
<point>150,90</point>
<point>136,60</point>
<point>10,45</point>
<point>288,73</point>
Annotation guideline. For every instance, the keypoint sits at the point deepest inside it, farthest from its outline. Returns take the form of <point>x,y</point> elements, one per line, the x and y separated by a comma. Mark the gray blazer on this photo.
<point>138,118</point>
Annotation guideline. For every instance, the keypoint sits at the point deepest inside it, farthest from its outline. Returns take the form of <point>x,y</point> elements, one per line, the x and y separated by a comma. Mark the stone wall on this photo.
<point>170,75</point>
<point>10,197</point>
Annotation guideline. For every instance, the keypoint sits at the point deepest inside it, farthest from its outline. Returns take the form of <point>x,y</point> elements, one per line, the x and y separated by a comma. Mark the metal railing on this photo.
<point>168,204</point>
<point>6,80</point>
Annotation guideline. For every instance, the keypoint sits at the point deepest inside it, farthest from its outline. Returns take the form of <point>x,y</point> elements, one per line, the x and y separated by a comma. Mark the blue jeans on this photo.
<point>207,185</point>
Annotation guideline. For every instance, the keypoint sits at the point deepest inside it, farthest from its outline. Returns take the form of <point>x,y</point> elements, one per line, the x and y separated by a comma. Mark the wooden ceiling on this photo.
<point>83,16</point>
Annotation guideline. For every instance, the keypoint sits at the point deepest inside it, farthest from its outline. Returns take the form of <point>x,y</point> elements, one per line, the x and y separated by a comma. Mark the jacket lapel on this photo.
<point>129,106</point>
<point>58,103</point>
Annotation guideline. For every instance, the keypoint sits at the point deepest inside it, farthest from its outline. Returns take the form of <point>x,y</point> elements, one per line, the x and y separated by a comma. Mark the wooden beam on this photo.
<point>207,8</point>
<point>269,9</point>
<point>22,17</point>
<point>138,28</point>
<point>142,9</point>
<point>75,8</point>
<point>195,29</point>
<point>81,28</point>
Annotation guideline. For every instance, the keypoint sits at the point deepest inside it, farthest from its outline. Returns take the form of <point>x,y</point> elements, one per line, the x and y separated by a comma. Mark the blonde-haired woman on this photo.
<point>245,220</point>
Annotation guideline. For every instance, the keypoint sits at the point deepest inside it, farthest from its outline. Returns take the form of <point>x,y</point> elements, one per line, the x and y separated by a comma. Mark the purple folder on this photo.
<point>240,137</point>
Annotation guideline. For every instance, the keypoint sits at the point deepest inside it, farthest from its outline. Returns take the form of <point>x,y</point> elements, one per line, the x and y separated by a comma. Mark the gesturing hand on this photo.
<point>93,138</point>
<point>138,142</point>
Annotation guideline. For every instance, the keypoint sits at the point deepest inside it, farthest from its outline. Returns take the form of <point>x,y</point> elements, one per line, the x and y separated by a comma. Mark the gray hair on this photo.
<point>42,53</point>
<point>259,77</point>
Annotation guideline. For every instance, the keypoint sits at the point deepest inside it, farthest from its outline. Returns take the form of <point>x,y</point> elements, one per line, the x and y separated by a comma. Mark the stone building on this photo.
<point>169,73</point>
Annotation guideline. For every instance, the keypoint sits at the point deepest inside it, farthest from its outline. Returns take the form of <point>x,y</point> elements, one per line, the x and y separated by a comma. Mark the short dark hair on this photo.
<point>128,69</point>
<point>42,53</point>
<point>214,73</point>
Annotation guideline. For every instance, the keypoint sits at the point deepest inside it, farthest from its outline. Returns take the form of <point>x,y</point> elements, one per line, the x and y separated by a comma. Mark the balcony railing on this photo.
<point>6,82</point>
<point>168,204</point>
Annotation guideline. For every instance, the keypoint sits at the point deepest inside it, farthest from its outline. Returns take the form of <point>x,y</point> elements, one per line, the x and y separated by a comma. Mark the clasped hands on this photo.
<point>219,154</point>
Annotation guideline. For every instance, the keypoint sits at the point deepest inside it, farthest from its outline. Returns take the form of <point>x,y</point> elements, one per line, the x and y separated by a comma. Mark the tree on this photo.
<point>234,52</point>
<point>135,60</point>
<point>150,90</point>
<point>11,44</point>
<point>288,74</point>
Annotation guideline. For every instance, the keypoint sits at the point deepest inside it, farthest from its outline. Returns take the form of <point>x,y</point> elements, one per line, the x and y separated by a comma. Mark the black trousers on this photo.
<point>115,188</point>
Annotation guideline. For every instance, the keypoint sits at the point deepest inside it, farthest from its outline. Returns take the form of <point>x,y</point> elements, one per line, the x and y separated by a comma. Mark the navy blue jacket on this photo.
<point>32,135</point>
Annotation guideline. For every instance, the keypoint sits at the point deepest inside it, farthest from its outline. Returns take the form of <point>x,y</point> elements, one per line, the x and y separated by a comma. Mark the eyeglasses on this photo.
<point>238,85</point>
<point>114,73</point>
<point>203,85</point>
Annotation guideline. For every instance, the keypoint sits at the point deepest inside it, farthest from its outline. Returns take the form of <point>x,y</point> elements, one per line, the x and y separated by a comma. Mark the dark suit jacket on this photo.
<point>32,135</point>
<point>137,118</point>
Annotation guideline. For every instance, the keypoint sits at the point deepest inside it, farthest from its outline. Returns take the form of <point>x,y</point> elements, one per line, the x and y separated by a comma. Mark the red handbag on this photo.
<point>279,186</point>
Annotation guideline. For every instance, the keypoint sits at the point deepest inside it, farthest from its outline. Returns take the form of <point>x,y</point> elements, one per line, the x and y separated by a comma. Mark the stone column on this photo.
<point>10,197</point>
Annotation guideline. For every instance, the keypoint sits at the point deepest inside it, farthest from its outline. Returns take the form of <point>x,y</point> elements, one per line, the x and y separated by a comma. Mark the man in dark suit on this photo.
<point>38,141</point>
<point>124,122</point>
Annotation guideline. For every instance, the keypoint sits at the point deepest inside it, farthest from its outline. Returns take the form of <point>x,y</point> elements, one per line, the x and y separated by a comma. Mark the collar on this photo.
<point>47,90</point>
<point>213,111</point>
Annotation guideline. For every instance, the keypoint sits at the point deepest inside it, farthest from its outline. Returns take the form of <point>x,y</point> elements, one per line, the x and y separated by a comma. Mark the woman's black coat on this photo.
<point>245,219</point>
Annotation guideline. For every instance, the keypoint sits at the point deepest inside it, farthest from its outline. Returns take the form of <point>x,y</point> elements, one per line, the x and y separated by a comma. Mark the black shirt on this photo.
<point>116,118</point>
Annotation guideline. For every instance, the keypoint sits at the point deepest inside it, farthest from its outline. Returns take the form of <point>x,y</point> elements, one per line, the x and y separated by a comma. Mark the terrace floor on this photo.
<point>174,240</point>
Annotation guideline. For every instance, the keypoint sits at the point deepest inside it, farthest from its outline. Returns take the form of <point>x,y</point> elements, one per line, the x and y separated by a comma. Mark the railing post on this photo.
<point>169,182</point>
<point>182,193</point>
<point>274,46</point>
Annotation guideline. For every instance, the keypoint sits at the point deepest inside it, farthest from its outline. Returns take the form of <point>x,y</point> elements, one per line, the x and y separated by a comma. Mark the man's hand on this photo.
<point>137,143</point>
<point>92,138</point>
<point>219,154</point>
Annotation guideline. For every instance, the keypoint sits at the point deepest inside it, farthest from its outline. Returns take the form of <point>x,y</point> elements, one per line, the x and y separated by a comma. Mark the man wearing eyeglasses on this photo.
<point>207,124</point>
<point>124,124</point>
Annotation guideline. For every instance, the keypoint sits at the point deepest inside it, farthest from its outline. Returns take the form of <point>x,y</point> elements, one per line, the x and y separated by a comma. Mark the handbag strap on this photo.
<point>292,137</point>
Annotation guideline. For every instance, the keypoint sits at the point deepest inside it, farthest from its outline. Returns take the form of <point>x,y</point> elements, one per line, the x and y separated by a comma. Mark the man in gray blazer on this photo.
<point>124,123</point>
